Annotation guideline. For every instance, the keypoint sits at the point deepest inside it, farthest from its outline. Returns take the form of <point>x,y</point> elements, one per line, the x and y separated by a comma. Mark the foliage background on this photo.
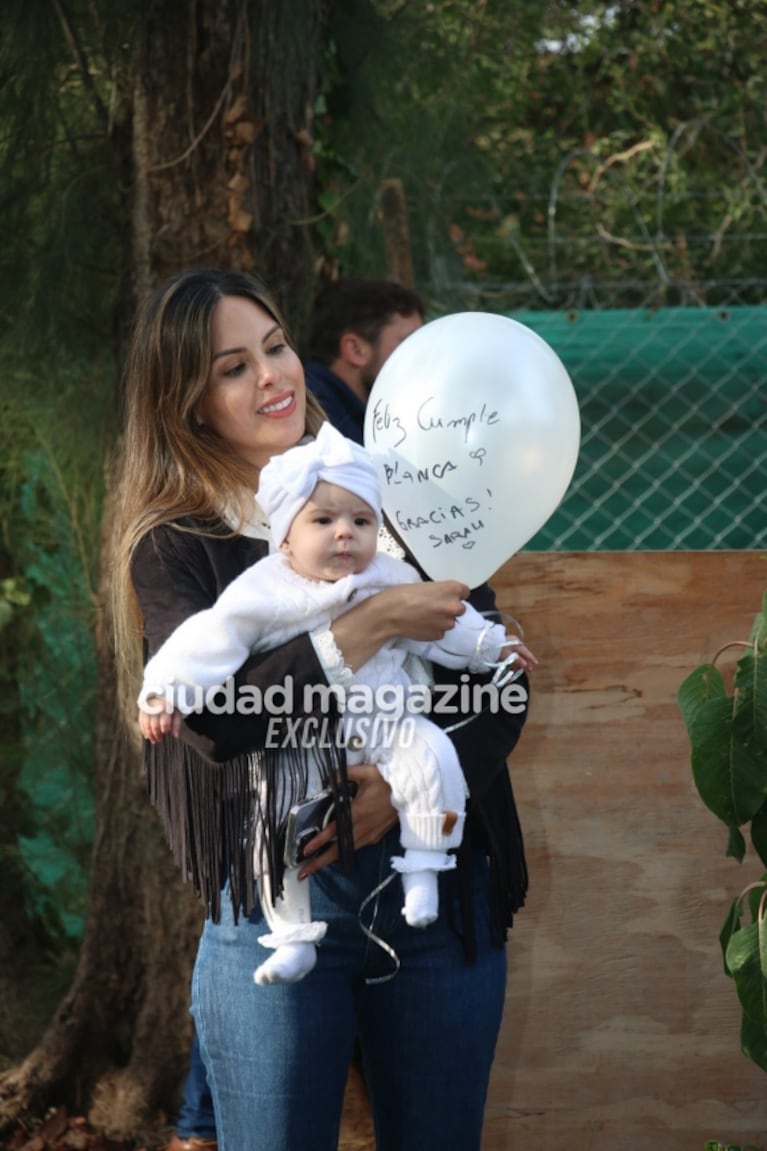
<point>554,156</point>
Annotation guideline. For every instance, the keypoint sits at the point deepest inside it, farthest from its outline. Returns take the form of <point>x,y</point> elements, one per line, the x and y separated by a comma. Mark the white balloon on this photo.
<point>474,426</point>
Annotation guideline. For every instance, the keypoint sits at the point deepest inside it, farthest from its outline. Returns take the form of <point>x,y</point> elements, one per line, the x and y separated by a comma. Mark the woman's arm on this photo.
<point>178,573</point>
<point>425,611</point>
<point>420,611</point>
<point>483,740</point>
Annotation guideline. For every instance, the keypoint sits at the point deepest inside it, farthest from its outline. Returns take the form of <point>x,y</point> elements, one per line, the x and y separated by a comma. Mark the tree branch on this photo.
<point>81,60</point>
<point>241,26</point>
<point>200,135</point>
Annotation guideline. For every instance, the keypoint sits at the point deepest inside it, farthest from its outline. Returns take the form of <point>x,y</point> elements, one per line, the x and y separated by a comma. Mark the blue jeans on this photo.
<point>196,1115</point>
<point>277,1057</point>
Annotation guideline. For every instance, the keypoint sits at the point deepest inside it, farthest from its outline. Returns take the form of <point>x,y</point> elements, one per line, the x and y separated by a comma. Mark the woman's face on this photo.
<point>255,397</point>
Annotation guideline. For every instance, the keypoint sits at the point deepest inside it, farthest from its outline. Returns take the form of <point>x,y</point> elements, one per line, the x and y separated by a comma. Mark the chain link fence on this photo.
<point>668,362</point>
<point>674,428</point>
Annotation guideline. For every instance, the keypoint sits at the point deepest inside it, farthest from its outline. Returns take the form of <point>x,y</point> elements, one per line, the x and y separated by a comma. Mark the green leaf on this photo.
<point>698,688</point>
<point>12,591</point>
<point>744,962</point>
<point>753,1041</point>
<point>759,833</point>
<point>736,845</point>
<point>759,627</point>
<point>730,777</point>
<point>729,927</point>
<point>750,684</point>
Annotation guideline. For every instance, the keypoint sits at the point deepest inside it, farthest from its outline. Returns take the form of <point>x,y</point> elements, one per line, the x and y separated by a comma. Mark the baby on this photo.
<point>322,500</point>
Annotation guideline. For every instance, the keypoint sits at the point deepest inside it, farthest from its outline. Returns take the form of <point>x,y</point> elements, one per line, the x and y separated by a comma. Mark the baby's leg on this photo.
<point>294,933</point>
<point>419,870</point>
<point>429,792</point>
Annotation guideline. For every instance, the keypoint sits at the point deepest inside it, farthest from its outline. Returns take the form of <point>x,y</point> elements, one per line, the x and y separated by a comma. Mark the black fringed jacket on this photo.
<point>202,783</point>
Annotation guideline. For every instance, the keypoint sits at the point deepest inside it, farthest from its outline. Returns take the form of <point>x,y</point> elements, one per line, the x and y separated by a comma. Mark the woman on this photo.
<point>213,390</point>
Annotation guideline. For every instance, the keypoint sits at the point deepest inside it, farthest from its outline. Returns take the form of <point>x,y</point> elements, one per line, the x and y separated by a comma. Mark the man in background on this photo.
<point>356,325</point>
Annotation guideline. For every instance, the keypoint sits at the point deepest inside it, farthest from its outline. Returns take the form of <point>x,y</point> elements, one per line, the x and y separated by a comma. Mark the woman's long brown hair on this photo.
<point>168,465</point>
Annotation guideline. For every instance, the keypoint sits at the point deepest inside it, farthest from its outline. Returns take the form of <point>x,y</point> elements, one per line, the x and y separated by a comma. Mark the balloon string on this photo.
<point>505,671</point>
<point>377,938</point>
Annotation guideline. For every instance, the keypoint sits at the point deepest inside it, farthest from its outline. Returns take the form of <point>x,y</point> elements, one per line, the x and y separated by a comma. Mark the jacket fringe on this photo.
<point>214,815</point>
<point>503,846</point>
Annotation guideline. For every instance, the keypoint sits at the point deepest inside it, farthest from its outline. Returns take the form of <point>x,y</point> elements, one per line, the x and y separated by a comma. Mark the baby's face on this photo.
<point>334,534</point>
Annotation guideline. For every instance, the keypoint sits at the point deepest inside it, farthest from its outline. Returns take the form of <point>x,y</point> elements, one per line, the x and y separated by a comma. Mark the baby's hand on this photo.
<point>156,722</point>
<point>525,658</point>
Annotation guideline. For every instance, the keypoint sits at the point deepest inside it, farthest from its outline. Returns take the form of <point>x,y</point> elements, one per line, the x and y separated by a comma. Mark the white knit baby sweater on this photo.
<point>269,604</point>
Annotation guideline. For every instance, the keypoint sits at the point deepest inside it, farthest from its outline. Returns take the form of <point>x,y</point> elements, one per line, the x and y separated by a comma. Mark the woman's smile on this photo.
<point>283,406</point>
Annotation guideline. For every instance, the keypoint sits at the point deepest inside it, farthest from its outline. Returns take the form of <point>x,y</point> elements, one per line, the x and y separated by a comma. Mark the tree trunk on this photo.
<point>220,155</point>
<point>394,217</point>
<point>222,141</point>
<point>118,1042</point>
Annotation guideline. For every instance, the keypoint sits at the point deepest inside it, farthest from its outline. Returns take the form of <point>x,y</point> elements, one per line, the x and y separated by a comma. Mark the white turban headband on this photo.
<point>289,479</point>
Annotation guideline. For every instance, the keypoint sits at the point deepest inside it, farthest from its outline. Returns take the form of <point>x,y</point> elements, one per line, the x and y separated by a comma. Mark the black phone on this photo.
<point>307,819</point>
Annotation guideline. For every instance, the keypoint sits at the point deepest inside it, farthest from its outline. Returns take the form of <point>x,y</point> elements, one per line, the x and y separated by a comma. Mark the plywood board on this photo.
<point>621,1030</point>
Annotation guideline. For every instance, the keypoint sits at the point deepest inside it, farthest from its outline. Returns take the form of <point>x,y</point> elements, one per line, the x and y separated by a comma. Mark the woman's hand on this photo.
<point>421,611</point>
<point>372,816</point>
<point>424,611</point>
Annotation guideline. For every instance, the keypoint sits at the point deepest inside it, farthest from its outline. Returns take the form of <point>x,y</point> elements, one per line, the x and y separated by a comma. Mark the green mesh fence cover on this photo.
<point>674,429</point>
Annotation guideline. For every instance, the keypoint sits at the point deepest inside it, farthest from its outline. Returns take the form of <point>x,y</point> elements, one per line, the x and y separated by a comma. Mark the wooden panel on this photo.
<point>621,1030</point>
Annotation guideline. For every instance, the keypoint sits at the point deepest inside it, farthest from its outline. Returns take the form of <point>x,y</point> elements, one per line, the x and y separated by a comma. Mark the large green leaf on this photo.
<point>753,1041</point>
<point>759,833</point>
<point>759,628</point>
<point>730,775</point>
<point>729,927</point>
<point>698,688</point>
<point>751,686</point>
<point>736,844</point>
<point>745,958</point>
